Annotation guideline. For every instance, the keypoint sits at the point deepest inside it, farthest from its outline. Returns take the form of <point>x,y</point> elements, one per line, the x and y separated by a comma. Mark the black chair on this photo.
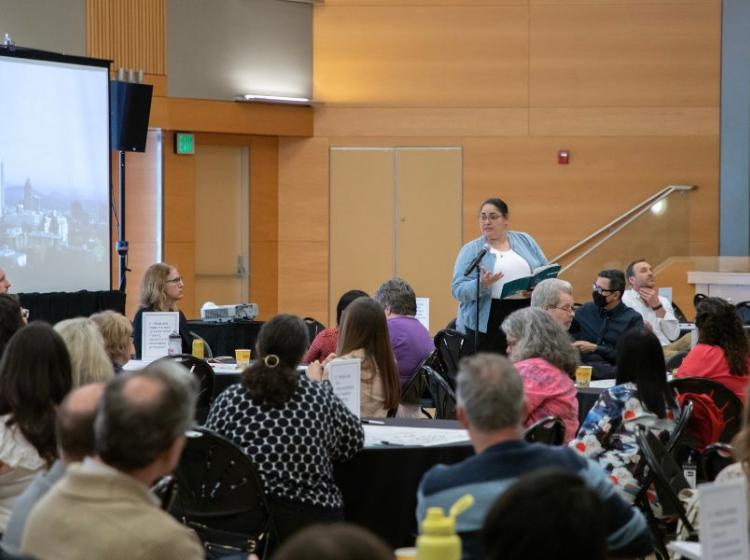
<point>549,430</point>
<point>726,401</point>
<point>661,471</point>
<point>676,361</point>
<point>743,311</point>
<point>715,458</point>
<point>679,315</point>
<point>206,377</point>
<point>220,496</point>
<point>313,328</point>
<point>443,396</point>
<point>677,435</point>
<point>697,298</point>
<point>449,344</point>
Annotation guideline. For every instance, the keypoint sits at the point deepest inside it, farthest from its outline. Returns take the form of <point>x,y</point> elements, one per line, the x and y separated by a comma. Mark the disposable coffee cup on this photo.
<point>242,357</point>
<point>583,377</point>
<point>406,553</point>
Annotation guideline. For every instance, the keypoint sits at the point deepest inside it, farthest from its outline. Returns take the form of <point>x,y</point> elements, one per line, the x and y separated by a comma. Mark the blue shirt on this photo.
<point>487,475</point>
<point>464,288</point>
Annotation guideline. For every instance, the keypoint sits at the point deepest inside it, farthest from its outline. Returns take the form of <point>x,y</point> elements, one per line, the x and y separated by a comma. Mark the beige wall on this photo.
<point>630,88</point>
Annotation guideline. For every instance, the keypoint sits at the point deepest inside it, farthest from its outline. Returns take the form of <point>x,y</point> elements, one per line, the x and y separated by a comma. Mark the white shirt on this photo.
<point>667,328</point>
<point>512,265</point>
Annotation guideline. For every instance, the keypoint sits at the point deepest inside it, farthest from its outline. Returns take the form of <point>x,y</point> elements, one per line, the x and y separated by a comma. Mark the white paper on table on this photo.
<point>135,365</point>
<point>376,436</point>
<point>345,378</point>
<point>686,549</point>
<point>155,331</point>
<point>723,519</point>
<point>423,311</point>
<point>602,384</point>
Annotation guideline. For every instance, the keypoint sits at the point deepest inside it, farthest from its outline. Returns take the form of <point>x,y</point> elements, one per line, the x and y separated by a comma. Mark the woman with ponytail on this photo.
<point>35,376</point>
<point>293,428</point>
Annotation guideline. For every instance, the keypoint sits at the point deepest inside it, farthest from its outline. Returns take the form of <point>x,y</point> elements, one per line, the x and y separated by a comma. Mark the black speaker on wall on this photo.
<point>129,108</point>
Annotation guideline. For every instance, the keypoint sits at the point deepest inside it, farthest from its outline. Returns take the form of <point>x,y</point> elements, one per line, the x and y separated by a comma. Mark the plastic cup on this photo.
<point>583,377</point>
<point>409,553</point>
<point>242,357</point>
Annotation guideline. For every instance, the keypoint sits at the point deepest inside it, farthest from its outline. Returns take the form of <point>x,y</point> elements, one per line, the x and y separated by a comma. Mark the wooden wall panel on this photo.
<point>129,32</point>
<point>421,56</point>
<point>304,279</point>
<point>636,55</point>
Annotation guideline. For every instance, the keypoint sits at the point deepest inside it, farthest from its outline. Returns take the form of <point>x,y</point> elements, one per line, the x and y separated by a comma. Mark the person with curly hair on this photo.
<point>722,353</point>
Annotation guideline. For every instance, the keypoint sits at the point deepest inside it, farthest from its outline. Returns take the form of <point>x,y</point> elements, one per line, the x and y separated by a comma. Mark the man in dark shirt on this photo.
<point>599,324</point>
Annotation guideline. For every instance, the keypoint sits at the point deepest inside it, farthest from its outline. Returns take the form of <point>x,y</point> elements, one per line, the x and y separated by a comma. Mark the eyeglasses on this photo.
<point>489,217</point>
<point>175,280</point>
<point>599,289</point>
<point>565,308</point>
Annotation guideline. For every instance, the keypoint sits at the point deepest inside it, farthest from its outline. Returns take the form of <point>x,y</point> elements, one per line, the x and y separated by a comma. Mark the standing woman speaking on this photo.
<point>509,255</point>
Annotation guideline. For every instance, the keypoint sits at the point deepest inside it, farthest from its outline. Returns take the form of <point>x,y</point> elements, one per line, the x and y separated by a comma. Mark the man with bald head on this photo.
<point>102,508</point>
<point>75,440</point>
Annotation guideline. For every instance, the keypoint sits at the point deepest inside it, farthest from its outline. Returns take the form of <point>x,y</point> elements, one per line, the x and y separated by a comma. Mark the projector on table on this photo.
<point>226,313</point>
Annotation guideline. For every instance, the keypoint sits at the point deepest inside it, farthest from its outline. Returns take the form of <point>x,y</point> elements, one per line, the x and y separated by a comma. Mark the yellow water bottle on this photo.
<point>438,539</point>
<point>198,348</point>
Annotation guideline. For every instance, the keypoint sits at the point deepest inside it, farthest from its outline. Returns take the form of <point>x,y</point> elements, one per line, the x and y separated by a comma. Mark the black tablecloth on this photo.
<point>225,338</point>
<point>380,484</point>
<point>57,306</point>
<point>586,400</point>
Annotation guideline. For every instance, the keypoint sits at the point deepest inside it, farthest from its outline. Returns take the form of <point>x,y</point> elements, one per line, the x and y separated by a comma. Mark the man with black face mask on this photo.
<point>599,324</point>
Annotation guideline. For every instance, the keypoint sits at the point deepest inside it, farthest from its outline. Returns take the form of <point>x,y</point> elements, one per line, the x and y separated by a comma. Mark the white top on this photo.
<point>667,328</point>
<point>21,463</point>
<point>512,265</point>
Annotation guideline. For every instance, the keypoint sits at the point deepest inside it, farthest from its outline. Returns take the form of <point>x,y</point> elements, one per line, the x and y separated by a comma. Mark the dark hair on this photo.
<point>10,319</point>
<point>398,295</point>
<point>364,326</point>
<point>497,203</point>
<point>572,515</point>
<point>133,427</point>
<point>629,270</point>
<point>345,300</point>
<point>616,280</point>
<point>640,360</point>
<point>719,325</point>
<point>35,376</point>
<point>272,379</point>
<point>338,541</point>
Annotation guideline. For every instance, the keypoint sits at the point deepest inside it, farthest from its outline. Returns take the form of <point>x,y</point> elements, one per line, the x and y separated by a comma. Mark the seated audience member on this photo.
<point>293,428</point>
<point>571,515</point>
<point>544,358</point>
<point>102,508</point>
<point>161,289</point>
<point>643,296</point>
<point>338,541</point>
<point>34,378</point>
<point>117,332</point>
<point>364,336</point>
<point>555,296</point>
<point>326,340</point>
<point>641,396</point>
<point>490,406</point>
<point>88,359</point>
<point>75,439</point>
<point>722,353</point>
<point>11,319</point>
<point>599,324</point>
<point>411,342</point>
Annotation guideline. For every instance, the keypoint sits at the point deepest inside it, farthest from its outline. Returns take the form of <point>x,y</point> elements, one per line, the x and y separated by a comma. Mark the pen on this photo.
<point>379,422</point>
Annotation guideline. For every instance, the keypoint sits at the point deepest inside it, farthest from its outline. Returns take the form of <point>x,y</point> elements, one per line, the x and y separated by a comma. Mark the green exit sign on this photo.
<point>184,143</point>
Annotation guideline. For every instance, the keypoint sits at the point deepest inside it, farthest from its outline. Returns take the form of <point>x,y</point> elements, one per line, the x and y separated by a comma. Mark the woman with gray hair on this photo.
<point>546,360</point>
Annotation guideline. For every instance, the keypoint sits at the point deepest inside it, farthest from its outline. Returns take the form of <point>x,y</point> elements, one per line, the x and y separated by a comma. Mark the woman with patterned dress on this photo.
<point>642,397</point>
<point>293,428</point>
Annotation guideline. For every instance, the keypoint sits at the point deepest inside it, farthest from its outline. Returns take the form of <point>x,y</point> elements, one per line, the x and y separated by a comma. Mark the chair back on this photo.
<point>743,312</point>
<point>313,328</point>
<point>678,314</point>
<point>449,346</point>
<point>443,396</point>
<point>549,430</point>
<point>676,361</point>
<point>726,402</point>
<point>220,495</point>
<point>415,388</point>
<point>678,432</point>
<point>715,458</point>
<point>697,298</point>
<point>206,377</point>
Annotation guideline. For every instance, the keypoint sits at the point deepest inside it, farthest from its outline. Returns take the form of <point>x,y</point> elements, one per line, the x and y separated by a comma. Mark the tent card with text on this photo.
<point>723,519</point>
<point>344,376</point>
<point>156,328</point>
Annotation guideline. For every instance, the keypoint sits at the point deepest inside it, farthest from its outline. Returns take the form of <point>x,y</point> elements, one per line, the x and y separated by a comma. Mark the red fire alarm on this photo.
<point>563,157</point>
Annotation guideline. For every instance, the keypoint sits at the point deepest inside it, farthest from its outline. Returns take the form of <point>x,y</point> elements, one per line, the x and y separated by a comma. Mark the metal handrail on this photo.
<point>615,226</point>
